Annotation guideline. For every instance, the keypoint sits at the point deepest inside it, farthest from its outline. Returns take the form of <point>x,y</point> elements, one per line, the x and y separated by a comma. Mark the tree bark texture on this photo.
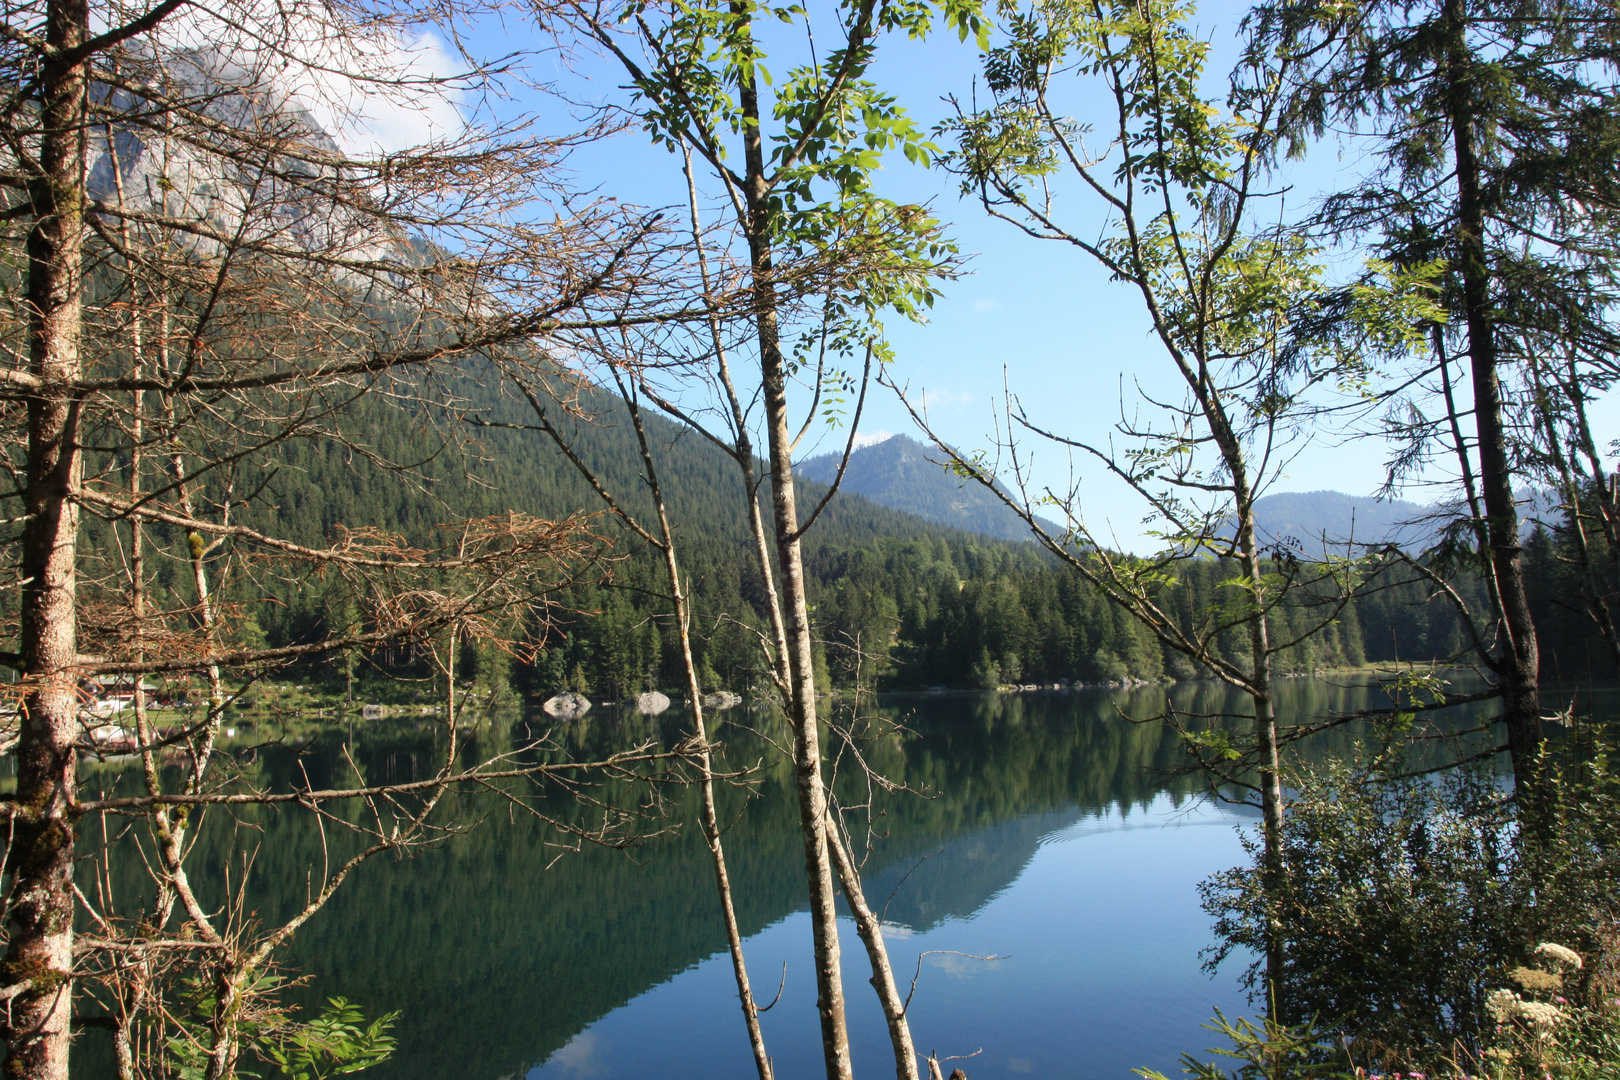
<point>40,861</point>
<point>801,696</point>
<point>802,709</point>
<point>1517,664</point>
<point>870,928</point>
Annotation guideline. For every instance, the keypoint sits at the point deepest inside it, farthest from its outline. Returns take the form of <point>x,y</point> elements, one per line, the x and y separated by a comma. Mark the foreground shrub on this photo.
<point>1410,900</point>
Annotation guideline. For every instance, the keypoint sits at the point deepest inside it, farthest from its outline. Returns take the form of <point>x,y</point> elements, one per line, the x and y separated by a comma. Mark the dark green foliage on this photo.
<point>335,1043</point>
<point>1572,645</point>
<point>1409,899</point>
<point>1269,1051</point>
<point>899,603</point>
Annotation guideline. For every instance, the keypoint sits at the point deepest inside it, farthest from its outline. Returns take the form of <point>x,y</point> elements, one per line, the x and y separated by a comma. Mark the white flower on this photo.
<point>1539,1014</point>
<point>1502,1004</point>
<point>1559,953</point>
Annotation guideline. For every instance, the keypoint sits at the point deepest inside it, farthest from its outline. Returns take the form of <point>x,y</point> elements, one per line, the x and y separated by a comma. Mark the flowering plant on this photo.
<point>1543,1030</point>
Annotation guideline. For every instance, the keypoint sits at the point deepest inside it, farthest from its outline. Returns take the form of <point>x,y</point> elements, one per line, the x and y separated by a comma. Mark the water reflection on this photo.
<point>1097,970</point>
<point>1048,828</point>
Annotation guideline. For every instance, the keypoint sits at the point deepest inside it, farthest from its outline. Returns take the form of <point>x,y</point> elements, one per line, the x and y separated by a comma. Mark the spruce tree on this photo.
<point>1493,124</point>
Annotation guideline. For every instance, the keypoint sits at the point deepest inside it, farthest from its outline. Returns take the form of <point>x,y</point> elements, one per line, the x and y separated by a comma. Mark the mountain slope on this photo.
<point>1306,516</point>
<point>400,465</point>
<point>904,475</point>
<point>315,485</point>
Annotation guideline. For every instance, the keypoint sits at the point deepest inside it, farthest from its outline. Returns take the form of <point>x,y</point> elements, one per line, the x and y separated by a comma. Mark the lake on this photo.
<point>1039,878</point>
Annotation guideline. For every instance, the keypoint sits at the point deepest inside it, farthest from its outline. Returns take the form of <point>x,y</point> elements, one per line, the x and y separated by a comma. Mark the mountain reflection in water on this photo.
<point>1097,936</point>
<point>1048,833</point>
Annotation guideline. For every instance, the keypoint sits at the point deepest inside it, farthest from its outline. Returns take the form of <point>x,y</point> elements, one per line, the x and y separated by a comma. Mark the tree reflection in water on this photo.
<point>499,964</point>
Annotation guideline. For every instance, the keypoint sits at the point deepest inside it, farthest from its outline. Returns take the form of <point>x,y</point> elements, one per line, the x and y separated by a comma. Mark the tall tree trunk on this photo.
<point>35,1024</point>
<point>806,737</point>
<point>1517,665</point>
<point>710,816</point>
<point>1259,688</point>
<point>801,696</point>
<point>1265,737</point>
<point>867,924</point>
<point>870,929</point>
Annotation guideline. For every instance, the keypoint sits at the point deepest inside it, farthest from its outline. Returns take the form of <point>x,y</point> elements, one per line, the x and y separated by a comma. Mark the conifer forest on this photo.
<point>463,619</point>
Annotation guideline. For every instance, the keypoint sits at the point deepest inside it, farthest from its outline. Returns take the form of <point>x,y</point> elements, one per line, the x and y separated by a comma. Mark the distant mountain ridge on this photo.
<point>905,475</point>
<point>1309,516</point>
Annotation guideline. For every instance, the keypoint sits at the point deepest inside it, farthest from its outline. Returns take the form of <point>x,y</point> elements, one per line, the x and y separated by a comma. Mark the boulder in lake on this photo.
<point>567,705</point>
<point>721,699</point>
<point>651,703</point>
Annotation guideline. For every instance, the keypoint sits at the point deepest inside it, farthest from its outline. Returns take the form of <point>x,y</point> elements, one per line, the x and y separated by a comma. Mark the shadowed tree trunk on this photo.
<point>40,861</point>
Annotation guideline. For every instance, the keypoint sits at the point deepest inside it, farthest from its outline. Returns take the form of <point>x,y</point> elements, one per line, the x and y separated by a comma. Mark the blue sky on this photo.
<point>1034,317</point>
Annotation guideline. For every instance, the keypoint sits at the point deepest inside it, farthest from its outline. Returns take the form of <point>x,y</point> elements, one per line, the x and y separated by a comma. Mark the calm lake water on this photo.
<point>1040,829</point>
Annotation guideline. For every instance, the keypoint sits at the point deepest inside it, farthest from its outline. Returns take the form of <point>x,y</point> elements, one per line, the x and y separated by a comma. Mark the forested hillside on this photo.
<point>327,328</point>
<point>899,602</point>
<point>905,475</point>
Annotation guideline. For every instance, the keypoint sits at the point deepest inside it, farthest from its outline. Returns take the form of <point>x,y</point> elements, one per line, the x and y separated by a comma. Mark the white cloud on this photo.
<point>580,1057</point>
<point>872,438</point>
<point>371,122</point>
<point>372,88</point>
<point>957,965</point>
<point>945,399</point>
<point>981,306</point>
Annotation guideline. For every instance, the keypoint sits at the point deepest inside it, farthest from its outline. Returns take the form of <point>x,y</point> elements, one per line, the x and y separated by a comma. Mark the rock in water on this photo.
<point>651,703</point>
<point>567,705</point>
<point>721,699</point>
